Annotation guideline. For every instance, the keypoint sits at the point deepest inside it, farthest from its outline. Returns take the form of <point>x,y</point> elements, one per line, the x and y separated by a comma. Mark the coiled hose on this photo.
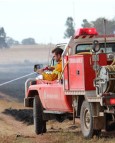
<point>111,83</point>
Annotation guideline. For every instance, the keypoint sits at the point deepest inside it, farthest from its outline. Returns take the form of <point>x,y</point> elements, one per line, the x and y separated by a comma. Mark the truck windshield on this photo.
<point>110,47</point>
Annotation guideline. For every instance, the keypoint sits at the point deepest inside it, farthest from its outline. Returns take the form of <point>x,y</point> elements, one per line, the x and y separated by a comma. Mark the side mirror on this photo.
<point>95,47</point>
<point>38,66</point>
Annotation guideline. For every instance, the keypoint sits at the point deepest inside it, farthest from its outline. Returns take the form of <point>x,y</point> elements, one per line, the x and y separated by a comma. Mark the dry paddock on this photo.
<point>27,53</point>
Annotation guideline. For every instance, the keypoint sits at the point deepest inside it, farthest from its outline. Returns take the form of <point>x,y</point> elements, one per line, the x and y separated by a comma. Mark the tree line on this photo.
<point>6,42</point>
<point>99,24</point>
<point>70,30</point>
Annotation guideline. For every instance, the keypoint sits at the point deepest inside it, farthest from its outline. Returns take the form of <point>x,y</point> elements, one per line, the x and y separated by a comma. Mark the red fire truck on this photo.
<point>86,88</point>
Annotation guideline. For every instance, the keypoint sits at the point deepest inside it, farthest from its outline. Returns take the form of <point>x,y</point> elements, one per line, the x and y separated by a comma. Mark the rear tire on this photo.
<point>86,117</point>
<point>39,123</point>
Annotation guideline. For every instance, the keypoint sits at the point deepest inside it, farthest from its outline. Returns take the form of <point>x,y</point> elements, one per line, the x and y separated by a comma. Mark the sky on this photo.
<point>44,20</point>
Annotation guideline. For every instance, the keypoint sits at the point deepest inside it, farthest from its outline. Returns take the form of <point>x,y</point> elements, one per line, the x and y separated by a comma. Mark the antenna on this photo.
<point>74,12</point>
<point>104,20</point>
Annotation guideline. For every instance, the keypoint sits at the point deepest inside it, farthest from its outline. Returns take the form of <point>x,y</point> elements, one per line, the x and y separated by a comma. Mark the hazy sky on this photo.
<point>44,20</point>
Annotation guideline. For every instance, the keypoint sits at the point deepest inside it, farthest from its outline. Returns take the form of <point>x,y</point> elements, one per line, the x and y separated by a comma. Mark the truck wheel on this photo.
<point>87,120</point>
<point>39,123</point>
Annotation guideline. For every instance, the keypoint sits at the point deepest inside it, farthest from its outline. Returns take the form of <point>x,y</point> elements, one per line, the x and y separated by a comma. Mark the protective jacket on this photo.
<point>55,74</point>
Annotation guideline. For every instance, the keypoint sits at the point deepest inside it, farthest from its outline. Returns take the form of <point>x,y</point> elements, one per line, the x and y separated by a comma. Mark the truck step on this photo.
<point>53,112</point>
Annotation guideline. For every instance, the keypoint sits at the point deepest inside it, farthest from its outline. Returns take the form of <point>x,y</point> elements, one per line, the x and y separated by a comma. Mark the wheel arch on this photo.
<point>28,101</point>
<point>78,103</point>
<point>33,93</point>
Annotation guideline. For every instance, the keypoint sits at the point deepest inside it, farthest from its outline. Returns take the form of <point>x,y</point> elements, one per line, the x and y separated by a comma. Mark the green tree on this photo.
<point>70,27</point>
<point>10,41</point>
<point>2,38</point>
<point>28,41</point>
<point>86,23</point>
<point>100,25</point>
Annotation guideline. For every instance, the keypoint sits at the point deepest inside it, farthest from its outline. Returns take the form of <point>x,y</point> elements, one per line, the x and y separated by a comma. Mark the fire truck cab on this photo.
<point>86,88</point>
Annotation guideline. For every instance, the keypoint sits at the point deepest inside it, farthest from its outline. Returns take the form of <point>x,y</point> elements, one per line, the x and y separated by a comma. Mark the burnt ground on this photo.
<point>9,72</point>
<point>23,115</point>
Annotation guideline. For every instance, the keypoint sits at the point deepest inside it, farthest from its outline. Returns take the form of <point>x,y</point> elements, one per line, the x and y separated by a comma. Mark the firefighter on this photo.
<point>56,70</point>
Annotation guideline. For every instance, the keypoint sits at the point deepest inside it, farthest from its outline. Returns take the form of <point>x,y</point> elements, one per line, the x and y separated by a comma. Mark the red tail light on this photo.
<point>85,31</point>
<point>109,101</point>
<point>112,101</point>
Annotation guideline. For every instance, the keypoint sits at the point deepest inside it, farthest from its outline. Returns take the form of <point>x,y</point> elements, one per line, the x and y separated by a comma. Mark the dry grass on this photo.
<point>14,139</point>
<point>6,139</point>
<point>56,132</point>
<point>76,137</point>
<point>54,137</point>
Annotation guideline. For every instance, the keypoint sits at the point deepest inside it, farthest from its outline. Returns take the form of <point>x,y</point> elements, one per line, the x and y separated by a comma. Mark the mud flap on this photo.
<point>98,122</point>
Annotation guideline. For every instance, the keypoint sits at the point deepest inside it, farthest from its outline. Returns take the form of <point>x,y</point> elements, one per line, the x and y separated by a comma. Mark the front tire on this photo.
<point>39,123</point>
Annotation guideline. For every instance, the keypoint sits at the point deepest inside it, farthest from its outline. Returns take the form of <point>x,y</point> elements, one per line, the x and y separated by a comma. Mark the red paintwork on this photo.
<point>81,73</point>
<point>52,96</point>
<point>78,75</point>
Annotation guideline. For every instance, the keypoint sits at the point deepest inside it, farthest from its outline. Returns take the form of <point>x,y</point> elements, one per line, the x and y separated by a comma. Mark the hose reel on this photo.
<point>105,81</point>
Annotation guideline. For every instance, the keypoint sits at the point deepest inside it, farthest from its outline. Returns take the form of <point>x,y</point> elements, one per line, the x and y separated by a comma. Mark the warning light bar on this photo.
<point>85,31</point>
